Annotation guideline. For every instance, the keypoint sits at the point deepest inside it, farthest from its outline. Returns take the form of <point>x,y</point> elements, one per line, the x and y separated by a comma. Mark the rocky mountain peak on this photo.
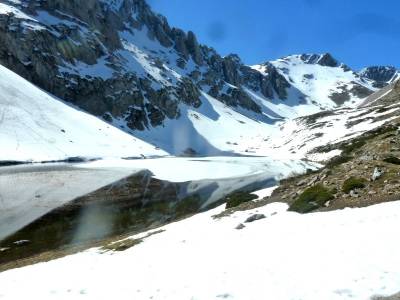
<point>325,59</point>
<point>382,75</point>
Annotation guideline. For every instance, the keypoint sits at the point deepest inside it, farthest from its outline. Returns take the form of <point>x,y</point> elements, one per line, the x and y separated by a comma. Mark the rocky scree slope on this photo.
<point>121,61</point>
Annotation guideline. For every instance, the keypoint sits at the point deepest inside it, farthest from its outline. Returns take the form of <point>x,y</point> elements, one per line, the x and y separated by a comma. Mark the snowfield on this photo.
<point>348,254</point>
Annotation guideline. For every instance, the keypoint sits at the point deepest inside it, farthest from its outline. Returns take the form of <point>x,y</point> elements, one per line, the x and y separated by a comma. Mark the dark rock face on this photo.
<point>382,75</point>
<point>81,52</point>
<point>356,90</point>
<point>324,59</point>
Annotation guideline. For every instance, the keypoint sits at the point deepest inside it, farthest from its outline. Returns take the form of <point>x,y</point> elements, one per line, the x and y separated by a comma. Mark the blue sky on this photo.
<point>356,32</point>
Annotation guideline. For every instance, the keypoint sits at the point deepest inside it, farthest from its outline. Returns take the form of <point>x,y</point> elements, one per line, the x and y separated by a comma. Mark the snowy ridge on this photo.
<point>382,75</point>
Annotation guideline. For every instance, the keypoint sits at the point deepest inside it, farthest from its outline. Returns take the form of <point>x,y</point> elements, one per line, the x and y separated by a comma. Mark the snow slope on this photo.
<point>216,127</point>
<point>347,254</point>
<point>36,126</point>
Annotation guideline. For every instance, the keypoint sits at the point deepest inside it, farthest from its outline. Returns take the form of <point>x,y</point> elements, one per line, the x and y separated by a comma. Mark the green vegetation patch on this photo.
<point>353,183</point>
<point>238,198</point>
<point>189,205</point>
<point>312,198</point>
<point>392,160</point>
<point>355,145</point>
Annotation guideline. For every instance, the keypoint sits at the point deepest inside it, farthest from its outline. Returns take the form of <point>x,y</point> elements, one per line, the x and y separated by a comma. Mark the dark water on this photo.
<point>131,205</point>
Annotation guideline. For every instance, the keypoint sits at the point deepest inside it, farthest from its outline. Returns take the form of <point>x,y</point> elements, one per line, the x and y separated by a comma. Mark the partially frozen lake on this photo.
<point>53,205</point>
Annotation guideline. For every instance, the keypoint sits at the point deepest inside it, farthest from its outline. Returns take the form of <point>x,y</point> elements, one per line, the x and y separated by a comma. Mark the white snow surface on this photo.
<point>35,126</point>
<point>317,83</point>
<point>313,84</point>
<point>263,193</point>
<point>345,254</point>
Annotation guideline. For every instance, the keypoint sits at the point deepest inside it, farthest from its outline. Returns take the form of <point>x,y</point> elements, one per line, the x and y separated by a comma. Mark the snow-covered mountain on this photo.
<point>322,80</point>
<point>121,61</point>
<point>380,75</point>
<point>35,126</point>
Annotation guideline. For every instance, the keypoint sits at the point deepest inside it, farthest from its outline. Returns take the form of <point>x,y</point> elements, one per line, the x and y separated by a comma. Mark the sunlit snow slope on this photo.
<point>36,126</point>
<point>324,82</point>
<point>347,254</point>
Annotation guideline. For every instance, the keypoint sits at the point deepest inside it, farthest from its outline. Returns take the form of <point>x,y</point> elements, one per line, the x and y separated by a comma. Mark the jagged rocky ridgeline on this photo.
<point>120,60</point>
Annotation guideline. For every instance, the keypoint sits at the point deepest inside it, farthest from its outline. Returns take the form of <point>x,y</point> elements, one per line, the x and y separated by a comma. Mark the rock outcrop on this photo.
<point>381,75</point>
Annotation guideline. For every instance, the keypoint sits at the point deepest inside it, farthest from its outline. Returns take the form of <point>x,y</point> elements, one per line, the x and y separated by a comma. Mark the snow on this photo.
<point>187,169</point>
<point>317,82</point>
<point>36,126</point>
<point>100,69</point>
<point>8,9</point>
<point>261,194</point>
<point>346,254</point>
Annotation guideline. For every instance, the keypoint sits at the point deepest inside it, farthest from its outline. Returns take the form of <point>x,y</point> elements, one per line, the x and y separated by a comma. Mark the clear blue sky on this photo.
<point>356,32</point>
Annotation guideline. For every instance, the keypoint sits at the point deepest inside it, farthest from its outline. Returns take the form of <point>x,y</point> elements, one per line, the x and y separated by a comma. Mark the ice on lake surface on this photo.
<point>53,205</point>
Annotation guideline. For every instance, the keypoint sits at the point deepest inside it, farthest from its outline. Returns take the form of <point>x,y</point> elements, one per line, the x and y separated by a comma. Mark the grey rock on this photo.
<point>194,48</point>
<point>325,59</point>
<point>354,194</point>
<point>377,174</point>
<point>240,226</point>
<point>255,217</point>
<point>382,75</point>
<point>301,182</point>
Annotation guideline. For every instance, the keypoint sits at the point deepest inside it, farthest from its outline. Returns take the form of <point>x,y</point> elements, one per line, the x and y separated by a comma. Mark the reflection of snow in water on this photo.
<point>29,192</point>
